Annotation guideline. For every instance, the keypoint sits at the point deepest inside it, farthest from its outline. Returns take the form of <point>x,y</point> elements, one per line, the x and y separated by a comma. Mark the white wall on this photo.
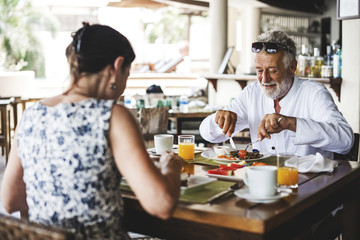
<point>350,88</point>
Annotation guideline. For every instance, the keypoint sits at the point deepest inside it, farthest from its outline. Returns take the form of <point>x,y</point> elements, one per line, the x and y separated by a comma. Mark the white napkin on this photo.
<point>312,163</point>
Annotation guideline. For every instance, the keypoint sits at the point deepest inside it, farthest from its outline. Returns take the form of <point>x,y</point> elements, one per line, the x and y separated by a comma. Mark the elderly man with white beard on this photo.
<point>287,114</point>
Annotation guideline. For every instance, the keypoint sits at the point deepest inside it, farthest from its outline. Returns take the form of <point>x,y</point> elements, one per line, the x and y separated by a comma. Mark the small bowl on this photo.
<point>221,150</point>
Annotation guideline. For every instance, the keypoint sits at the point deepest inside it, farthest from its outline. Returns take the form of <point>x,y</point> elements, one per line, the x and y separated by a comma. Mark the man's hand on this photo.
<point>226,121</point>
<point>271,124</point>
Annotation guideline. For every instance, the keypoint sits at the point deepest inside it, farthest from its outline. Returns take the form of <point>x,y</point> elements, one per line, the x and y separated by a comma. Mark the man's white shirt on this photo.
<point>320,127</point>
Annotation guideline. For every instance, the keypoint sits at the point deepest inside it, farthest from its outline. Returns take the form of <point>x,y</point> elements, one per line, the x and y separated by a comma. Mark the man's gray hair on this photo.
<point>280,38</point>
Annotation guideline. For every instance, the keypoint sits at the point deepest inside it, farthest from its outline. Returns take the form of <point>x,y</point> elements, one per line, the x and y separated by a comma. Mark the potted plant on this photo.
<point>20,48</point>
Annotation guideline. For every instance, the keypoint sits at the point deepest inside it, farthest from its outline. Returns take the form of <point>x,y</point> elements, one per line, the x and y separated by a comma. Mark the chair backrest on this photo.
<point>353,155</point>
<point>153,121</point>
<point>134,112</point>
<point>19,229</point>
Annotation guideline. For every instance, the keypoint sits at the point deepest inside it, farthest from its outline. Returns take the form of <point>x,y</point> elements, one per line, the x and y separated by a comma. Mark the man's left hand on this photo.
<point>275,123</point>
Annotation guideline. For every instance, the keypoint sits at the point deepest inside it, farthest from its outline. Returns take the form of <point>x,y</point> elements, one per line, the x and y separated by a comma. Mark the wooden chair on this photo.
<point>353,155</point>
<point>19,229</point>
<point>153,121</point>
<point>5,125</point>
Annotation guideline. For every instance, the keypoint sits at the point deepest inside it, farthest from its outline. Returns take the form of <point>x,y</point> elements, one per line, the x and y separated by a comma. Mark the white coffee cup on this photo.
<point>163,142</point>
<point>261,180</point>
<point>221,150</point>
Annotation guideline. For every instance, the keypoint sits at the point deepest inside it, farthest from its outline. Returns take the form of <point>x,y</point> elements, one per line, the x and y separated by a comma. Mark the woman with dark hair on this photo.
<point>70,151</point>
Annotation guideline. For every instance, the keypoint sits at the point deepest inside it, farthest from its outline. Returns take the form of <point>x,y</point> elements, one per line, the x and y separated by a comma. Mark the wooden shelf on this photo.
<point>335,83</point>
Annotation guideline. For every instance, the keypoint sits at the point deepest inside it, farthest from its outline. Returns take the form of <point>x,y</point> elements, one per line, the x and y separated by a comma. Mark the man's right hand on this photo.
<point>226,121</point>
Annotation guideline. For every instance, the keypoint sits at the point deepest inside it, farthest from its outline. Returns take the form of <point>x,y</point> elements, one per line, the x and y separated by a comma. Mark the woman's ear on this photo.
<point>118,63</point>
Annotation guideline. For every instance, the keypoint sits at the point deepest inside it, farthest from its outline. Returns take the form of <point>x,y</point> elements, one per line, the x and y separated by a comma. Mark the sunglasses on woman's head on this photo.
<point>270,47</point>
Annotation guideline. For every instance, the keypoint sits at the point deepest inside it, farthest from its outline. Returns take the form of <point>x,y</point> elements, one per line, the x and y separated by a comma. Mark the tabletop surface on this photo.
<point>238,214</point>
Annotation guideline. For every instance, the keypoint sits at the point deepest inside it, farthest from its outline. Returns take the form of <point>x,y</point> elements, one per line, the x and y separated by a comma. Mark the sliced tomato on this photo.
<point>242,153</point>
<point>221,172</point>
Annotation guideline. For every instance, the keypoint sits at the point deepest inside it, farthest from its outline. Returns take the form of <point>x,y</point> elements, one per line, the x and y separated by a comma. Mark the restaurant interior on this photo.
<point>193,58</point>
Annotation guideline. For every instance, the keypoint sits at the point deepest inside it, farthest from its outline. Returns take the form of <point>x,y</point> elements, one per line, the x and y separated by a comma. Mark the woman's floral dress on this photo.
<point>69,171</point>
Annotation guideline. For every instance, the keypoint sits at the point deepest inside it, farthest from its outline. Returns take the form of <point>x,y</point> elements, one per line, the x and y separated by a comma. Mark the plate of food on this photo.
<point>225,177</point>
<point>234,172</point>
<point>194,183</point>
<point>230,172</point>
<point>235,156</point>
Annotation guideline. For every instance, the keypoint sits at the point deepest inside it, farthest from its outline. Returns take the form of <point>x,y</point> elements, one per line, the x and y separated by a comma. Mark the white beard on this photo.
<point>280,90</point>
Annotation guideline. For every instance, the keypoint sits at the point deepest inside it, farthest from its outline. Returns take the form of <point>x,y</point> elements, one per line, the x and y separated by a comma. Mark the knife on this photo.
<point>223,193</point>
<point>233,143</point>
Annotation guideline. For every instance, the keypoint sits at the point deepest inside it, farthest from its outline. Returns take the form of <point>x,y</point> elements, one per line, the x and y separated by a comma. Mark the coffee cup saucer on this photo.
<point>245,194</point>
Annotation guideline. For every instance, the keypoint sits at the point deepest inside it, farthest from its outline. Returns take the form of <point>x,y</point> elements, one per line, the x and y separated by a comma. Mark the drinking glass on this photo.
<point>287,176</point>
<point>187,146</point>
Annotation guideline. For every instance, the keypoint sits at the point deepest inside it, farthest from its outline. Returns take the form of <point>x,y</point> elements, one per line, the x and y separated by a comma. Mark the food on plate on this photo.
<point>259,164</point>
<point>219,171</point>
<point>243,154</point>
<point>227,170</point>
<point>240,173</point>
<point>184,178</point>
<point>228,157</point>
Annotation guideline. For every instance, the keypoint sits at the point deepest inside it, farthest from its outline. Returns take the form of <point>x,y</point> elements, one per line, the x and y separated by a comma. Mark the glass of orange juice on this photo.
<point>288,176</point>
<point>186,146</point>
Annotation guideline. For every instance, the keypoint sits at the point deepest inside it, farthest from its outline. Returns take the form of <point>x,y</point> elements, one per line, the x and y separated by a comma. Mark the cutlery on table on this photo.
<point>280,118</point>
<point>251,143</point>
<point>233,143</point>
<point>223,193</point>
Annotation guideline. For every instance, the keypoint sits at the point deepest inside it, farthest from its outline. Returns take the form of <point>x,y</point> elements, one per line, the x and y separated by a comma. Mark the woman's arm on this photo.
<point>13,194</point>
<point>157,190</point>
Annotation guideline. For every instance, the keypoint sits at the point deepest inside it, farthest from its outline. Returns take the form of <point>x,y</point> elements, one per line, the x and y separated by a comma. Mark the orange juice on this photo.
<point>287,176</point>
<point>189,168</point>
<point>187,150</point>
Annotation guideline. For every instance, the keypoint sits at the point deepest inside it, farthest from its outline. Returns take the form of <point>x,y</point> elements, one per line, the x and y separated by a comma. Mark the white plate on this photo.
<point>210,154</point>
<point>245,194</point>
<point>195,183</point>
<point>152,151</point>
<point>223,177</point>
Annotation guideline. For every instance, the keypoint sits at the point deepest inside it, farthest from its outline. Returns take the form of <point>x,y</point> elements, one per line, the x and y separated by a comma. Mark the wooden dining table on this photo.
<point>317,196</point>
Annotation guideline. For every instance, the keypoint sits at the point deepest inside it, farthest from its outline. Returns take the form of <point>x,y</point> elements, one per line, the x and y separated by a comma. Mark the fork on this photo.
<point>251,143</point>
<point>280,118</point>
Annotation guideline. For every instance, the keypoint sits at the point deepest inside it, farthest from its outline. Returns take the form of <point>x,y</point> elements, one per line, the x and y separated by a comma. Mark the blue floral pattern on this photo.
<point>69,171</point>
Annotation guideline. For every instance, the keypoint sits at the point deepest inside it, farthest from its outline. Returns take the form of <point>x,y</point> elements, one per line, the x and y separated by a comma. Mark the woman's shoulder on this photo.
<point>120,111</point>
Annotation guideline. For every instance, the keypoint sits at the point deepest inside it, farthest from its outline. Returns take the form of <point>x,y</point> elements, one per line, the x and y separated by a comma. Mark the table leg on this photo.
<point>351,219</point>
<point>178,126</point>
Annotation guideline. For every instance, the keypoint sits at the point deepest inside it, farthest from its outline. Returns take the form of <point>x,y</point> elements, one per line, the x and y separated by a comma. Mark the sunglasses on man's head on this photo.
<point>270,47</point>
